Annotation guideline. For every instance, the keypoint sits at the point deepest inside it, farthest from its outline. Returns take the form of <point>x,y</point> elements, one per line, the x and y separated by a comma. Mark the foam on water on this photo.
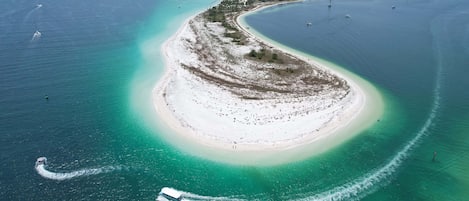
<point>41,170</point>
<point>28,15</point>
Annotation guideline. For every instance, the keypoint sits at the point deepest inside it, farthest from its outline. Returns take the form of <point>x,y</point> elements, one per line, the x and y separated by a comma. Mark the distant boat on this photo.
<point>330,4</point>
<point>309,24</point>
<point>393,7</point>
<point>348,16</point>
<point>36,35</point>
<point>41,161</point>
<point>38,5</point>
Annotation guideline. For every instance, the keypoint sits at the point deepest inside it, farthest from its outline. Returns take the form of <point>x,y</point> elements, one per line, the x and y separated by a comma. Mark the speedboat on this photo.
<point>171,194</point>
<point>41,161</point>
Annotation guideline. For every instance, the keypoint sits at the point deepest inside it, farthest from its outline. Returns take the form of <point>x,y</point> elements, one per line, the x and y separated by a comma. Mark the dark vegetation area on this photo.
<point>266,56</point>
<point>226,11</point>
<point>282,72</point>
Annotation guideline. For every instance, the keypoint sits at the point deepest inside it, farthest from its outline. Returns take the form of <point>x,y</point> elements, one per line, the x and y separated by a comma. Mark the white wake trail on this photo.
<point>357,188</point>
<point>41,170</point>
<point>365,185</point>
<point>28,15</point>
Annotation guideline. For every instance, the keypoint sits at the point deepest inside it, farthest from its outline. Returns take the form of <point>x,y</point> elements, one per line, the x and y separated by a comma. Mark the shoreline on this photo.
<point>262,152</point>
<point>373,98</point>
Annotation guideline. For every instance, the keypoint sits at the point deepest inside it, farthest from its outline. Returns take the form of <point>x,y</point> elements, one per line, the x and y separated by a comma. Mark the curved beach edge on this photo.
<point>365,111</point>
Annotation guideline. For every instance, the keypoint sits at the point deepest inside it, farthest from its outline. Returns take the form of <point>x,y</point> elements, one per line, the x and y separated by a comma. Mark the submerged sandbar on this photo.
<point>231,95</point>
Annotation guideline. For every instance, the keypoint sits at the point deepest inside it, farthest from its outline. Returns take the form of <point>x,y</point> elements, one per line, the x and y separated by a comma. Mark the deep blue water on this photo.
<point>90,57</point>
<point>82,62</point>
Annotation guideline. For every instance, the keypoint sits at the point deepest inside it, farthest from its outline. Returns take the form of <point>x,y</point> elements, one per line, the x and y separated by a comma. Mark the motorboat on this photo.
<point>41,161</point>
<point>171,194</point>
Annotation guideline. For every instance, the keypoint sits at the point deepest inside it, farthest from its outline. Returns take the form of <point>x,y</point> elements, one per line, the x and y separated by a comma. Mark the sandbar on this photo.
<point>230,94</point>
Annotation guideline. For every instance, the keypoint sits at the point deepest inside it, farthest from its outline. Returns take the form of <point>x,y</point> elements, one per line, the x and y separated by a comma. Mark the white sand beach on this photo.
<point>245,111</point>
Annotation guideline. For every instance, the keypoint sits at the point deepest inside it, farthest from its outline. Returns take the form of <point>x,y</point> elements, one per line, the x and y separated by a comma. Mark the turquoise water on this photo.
<point>98,64</point>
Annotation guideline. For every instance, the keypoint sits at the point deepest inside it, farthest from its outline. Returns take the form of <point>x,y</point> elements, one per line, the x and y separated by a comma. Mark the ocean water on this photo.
<point>97,64</point>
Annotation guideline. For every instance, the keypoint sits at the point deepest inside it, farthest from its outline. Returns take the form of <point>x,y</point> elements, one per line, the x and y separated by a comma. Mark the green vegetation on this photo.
<point>274,56</point>
<point>219,13</point>
<point>253,53</point>
<point>226,10</point>
<point>226,7</point>
<point>285,72</point>
<point>265,55</point>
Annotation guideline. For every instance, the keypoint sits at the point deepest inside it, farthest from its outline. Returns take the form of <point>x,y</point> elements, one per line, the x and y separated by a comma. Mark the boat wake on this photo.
<point>366,184</point>
<point>41,170</point>
<point>28,15</point>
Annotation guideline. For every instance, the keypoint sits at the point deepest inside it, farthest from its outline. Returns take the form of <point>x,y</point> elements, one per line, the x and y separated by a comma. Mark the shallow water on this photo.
<point>98,63</point>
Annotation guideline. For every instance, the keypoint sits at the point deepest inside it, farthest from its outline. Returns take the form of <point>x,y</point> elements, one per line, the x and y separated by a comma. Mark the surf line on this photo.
<point>41,164</point>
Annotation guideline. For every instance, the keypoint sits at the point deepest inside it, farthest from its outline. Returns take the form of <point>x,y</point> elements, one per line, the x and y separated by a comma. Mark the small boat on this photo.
<point>309,24</point>
<point>348,16</point>
<point>171,194</point>
<point>36,35</point>
<point>393,7</point>
<point>41,161</point>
